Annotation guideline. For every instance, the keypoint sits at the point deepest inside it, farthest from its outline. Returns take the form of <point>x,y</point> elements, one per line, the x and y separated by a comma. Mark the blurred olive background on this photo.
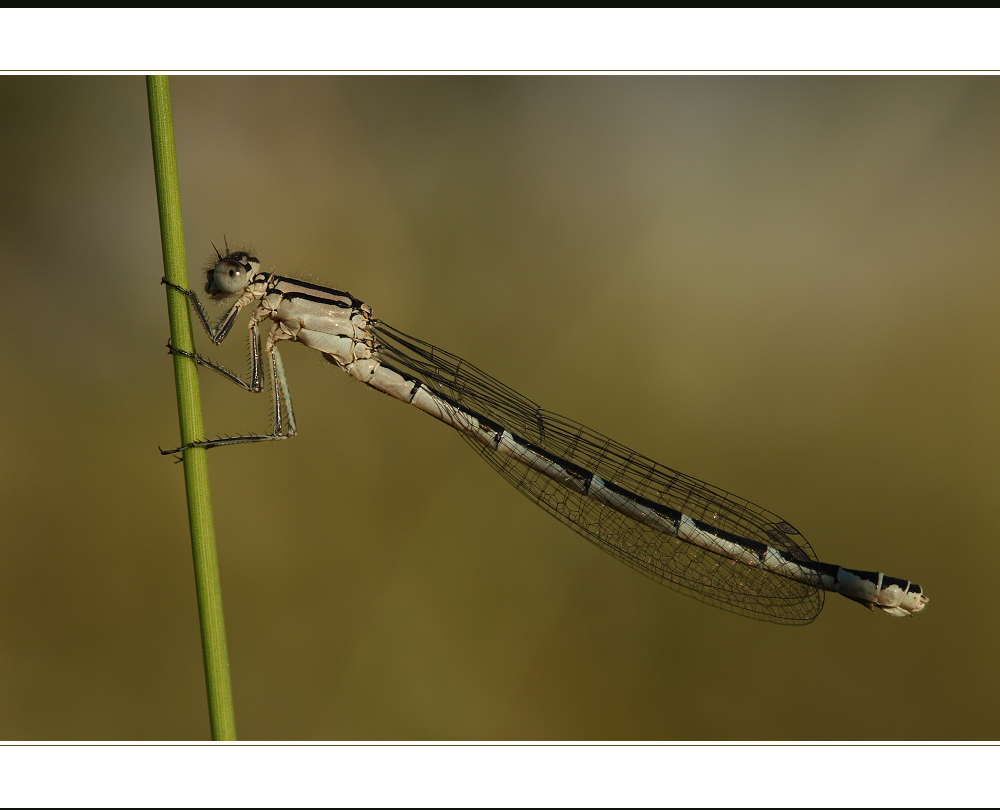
<point>786,286</point>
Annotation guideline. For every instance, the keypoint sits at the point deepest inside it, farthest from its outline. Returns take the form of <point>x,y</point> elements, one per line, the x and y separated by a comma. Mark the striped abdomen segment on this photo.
<point>894,596</point>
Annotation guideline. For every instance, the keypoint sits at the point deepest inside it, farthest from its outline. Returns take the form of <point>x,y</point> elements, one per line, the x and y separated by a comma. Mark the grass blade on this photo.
<point>199,498</point>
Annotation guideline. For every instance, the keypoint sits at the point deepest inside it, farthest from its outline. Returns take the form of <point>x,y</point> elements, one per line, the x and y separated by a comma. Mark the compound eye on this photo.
<point>233,273</point>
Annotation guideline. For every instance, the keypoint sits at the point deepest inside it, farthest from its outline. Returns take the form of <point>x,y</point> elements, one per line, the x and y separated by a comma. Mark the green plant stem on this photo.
<point>199,498</point>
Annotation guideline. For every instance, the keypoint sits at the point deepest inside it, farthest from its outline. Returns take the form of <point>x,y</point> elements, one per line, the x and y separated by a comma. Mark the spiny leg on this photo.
<point>253,339</point>
<point>220,333</point>
<point>225,372</point>
<point>282,397</point>
<point>279,381</point>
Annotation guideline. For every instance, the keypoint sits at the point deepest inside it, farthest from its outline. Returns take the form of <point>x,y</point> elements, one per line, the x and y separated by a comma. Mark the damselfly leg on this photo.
<point>282,404</point>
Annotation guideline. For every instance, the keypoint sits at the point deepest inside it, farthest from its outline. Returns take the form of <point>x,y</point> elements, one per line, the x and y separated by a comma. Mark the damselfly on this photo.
<point>680,531</point>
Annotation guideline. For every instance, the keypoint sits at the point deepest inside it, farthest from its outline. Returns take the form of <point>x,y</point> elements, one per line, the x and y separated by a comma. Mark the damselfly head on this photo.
<point>231,273</point>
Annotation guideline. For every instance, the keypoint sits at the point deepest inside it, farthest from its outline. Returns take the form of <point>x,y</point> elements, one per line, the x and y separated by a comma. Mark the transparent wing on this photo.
<point>707,576</point>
